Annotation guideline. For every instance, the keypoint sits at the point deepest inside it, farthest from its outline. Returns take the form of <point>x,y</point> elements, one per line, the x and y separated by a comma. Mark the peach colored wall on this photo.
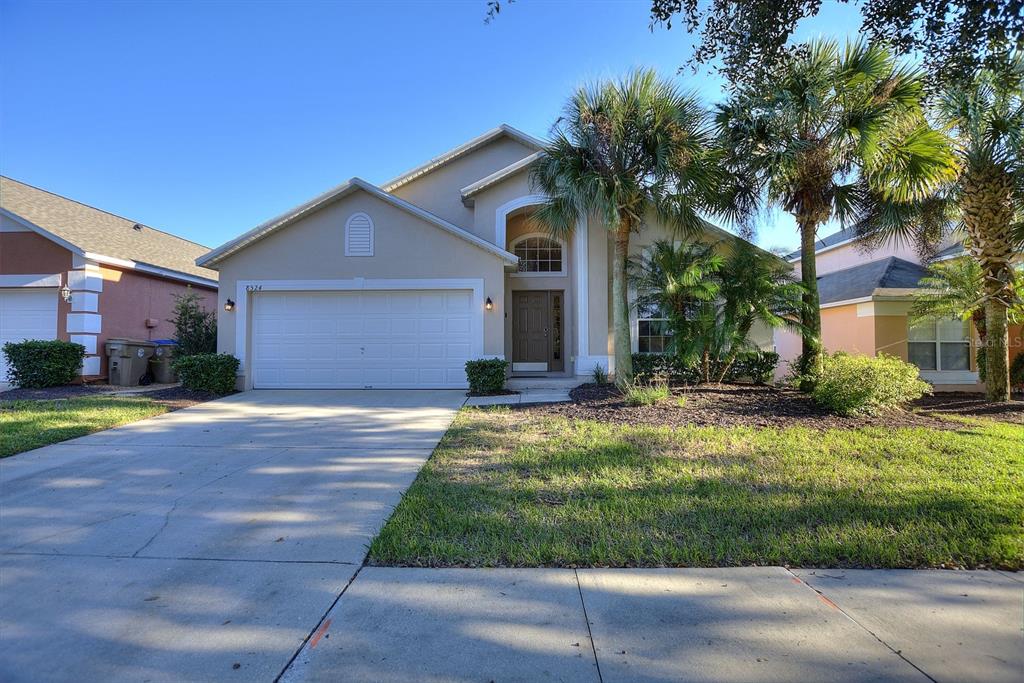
<point>842,330</point>
<point>891,335</point>
<point>129,298</point>
<point>28,253</point>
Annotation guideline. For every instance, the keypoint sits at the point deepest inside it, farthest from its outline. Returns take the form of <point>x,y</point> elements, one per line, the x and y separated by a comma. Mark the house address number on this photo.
<point>254,288</point>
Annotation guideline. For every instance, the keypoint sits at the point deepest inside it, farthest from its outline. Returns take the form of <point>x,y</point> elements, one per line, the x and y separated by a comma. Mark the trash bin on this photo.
<point>128,360</point>
<point>160,363</point>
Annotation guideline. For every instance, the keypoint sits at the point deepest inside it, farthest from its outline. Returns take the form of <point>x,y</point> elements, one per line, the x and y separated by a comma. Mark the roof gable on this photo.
<point>504,130</point>
<point>861,281</point>
<point>355,184</point>
<point>92,232</point>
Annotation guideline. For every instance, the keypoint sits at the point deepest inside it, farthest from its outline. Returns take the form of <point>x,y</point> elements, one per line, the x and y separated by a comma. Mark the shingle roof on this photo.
<point>951,251</point>
<point>99,232</point>
<point>862,281</point>
<point>827,241</point>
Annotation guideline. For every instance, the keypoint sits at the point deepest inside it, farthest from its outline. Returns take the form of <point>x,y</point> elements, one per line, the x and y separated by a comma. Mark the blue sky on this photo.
<point>207,118</point>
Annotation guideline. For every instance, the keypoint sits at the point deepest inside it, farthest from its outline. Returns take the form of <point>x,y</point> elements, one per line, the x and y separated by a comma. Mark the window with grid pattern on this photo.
<point>538,254</point>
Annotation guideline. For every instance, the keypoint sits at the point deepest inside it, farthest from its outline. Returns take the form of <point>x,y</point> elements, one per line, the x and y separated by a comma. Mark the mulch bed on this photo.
<point>725,405</point>
<point>176,398</point>
<point>173,398</point>
<point>51,393</point>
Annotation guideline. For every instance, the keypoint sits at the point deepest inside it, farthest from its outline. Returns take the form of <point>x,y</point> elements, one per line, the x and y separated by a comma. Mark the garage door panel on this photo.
<point>26,313</point>
<point>361,339</point>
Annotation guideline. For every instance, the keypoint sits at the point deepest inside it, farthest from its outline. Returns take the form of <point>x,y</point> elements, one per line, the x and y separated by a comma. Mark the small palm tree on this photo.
<point>984,119</point>
<point>956,289</point>
<point>830,132</point>
<point>681,284</point>
<point>756,288</point>
<point>626,152</point>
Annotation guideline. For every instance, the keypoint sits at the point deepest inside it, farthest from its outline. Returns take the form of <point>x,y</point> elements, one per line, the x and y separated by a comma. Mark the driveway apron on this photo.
<point>201,544</point>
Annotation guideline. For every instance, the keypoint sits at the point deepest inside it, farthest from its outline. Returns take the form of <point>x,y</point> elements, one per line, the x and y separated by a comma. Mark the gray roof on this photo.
<point>950,251</point>
<point>94,231</point>
<point>861,281</point>
<point>827,241</point>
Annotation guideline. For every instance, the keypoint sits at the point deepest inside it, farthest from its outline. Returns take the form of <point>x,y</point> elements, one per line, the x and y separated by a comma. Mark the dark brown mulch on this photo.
<point>176,398</point>
<point>727,405</point>
<point>971,405</point>
<point>50,393</point>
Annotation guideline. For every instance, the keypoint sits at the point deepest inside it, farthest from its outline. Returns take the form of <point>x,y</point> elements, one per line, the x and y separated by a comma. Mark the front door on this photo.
<point>536,331</point>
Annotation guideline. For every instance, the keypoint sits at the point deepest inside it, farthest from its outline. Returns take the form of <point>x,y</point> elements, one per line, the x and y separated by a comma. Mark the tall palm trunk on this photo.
<point>988,214</point>
<point>810,357</point>
<point>620,307</point>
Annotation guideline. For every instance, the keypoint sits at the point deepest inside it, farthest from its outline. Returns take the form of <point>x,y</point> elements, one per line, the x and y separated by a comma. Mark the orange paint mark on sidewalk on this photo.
<point>827,601</point>
<point>320,633</point>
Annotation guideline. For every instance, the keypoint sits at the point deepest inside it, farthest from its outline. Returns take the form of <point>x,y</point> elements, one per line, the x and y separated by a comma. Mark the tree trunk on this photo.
<point>988,214</point>
<point>620,308</point>
<point>997,343</point>
<point>810,356</point>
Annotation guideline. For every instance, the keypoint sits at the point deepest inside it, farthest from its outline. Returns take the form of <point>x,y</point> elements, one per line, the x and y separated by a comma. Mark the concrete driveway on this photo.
<point>204,544</point>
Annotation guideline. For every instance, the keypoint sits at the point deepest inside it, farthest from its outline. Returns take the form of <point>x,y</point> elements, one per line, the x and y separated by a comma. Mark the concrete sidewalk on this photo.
<point>734,624</point>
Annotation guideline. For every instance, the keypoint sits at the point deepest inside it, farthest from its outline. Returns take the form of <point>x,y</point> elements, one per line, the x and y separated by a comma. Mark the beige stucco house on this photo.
<point>73,272</point>
<point>399,285</point>
<point>866,296</point>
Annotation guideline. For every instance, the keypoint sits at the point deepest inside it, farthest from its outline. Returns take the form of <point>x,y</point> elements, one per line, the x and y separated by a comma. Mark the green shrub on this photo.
<point>35,364</point>
<point>195,328</point>
<point>213,372</point>
<point>486,375</point>
<point>645,394</point>
<point>1017,372</point>
<point>862,385</point>
<point>981,361</point>
<point>753,366</point>
<point>599,374</point>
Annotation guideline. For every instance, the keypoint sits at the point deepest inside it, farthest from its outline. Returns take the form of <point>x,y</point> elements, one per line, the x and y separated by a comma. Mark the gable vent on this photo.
<point>359,235</point>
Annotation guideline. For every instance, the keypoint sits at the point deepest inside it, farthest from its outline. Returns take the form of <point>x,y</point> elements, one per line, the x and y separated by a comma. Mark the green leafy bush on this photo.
<point>599,374</point>
<point>213,372</point>
<point>195,328</point>
<point>486,375</point>
<point>753,366</point>
<point>645,394</point>
<point>35,364</point>
<point>864,385</point>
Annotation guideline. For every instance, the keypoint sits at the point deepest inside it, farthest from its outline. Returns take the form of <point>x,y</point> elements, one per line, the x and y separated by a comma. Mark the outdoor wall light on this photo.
<point>229,305</point>
<point>65,293</point>
<point>489,305</point>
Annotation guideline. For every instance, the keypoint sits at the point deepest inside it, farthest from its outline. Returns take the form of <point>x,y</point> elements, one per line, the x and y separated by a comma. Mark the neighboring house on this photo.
<point>70,271</point>
<point>865,299</point>
<point>399,285</point>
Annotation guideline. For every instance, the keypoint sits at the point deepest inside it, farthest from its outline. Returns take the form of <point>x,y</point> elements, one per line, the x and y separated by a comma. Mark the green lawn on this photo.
<point>508,489</point>
<point>25,425</point>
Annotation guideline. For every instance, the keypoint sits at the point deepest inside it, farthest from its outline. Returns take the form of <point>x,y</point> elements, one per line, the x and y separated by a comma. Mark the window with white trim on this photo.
<point>652,331</point>
<point>539,255</point>
<point>940,345</point>
<point>359,235</point>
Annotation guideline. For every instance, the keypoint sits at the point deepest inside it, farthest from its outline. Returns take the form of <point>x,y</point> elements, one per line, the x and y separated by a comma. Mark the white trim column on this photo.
<point>84,322</point>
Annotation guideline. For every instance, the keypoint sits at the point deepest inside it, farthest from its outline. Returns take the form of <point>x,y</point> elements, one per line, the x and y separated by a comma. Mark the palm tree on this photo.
<point>831,131</point>
<point>984,119</point>
<point>712,302</point>
<point>756,288</point>
<point>680,283</point>
<point>956,289</point>
<point>624,152</point>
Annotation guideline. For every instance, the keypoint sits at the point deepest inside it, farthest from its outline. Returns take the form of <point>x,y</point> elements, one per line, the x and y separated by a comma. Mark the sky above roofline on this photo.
<point>206,119</point>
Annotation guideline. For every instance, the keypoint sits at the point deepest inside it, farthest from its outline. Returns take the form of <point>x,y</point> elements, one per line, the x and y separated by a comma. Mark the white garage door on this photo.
<point>26,314</point>
<point>362,339</point>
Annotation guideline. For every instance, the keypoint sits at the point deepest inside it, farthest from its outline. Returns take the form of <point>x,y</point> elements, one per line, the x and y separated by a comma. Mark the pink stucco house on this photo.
<point>74,272</point>
<point>865,298</point>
